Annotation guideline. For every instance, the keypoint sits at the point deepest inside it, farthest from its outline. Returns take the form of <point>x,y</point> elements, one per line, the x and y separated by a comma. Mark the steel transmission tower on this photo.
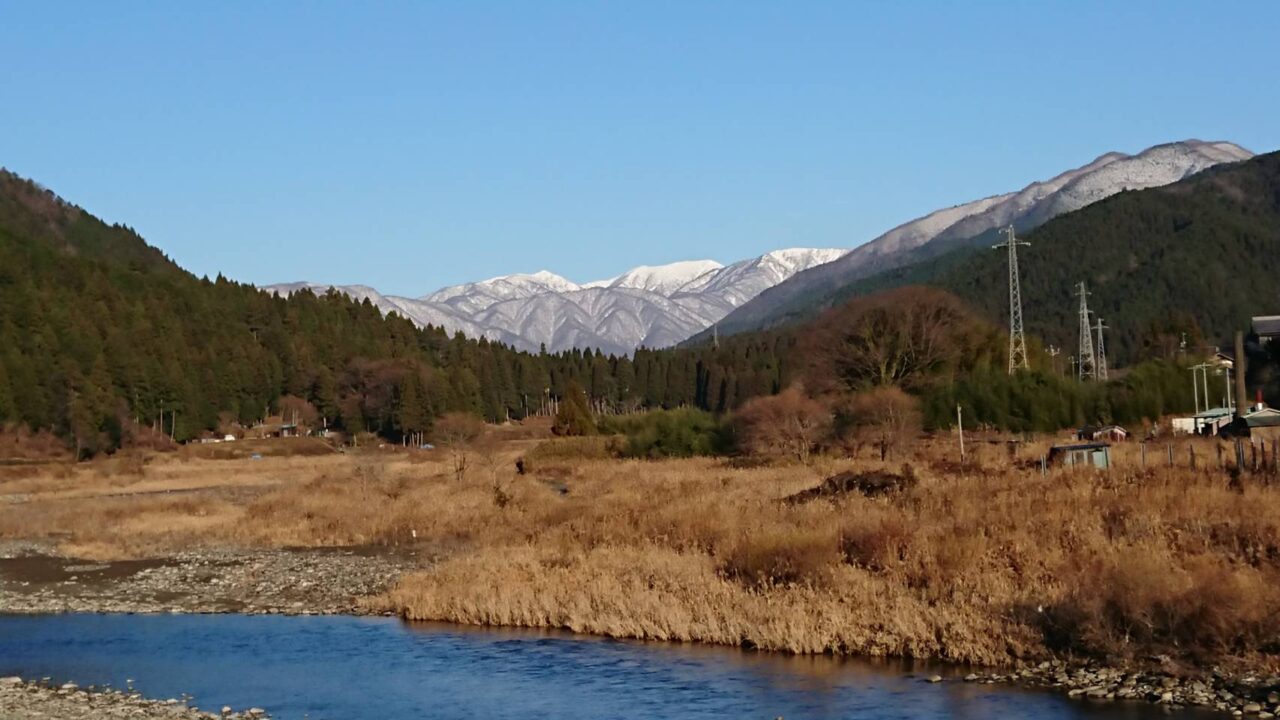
<point>1088,363</point>
<point>1017,341</point>
<point>1102,350</point>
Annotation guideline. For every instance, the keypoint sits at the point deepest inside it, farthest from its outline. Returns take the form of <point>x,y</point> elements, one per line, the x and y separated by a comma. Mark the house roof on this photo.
<point>1266,325</point>
<point>1266,417</point>
<point>1080,446</point>
<point>1213,413</point>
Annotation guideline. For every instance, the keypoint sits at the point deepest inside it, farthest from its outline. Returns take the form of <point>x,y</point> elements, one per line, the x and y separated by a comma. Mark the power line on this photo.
<point>1017,341</point>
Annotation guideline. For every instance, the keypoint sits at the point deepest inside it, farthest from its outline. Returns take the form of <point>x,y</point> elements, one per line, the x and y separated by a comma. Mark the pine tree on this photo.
<point>574,416</point>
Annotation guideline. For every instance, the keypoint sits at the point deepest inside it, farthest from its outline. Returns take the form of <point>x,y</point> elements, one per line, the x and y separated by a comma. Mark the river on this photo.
<point>338,667</point>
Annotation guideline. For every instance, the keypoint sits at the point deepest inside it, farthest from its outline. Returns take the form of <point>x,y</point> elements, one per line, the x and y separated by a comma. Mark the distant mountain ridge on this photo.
<point>1193,260</point>
<point>811,290</point>
<point>649,306</point>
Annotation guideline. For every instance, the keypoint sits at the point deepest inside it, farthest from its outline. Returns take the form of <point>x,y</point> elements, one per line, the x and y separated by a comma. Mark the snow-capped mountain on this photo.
<point>662,279</point>
<point>1033,205</point>
<point>652,306</point>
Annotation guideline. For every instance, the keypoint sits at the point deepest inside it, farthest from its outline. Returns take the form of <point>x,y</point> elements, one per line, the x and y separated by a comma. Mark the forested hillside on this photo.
<point>1200,256</point>
<point>100,334</point>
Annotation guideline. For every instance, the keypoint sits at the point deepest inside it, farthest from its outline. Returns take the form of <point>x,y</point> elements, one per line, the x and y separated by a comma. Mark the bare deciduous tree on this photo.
<point>456,431</point>
<point>885,417</point>
<point>788,424</point>
<point>892,338</point>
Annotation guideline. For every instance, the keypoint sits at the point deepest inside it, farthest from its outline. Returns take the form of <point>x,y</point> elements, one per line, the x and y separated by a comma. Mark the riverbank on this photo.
<point>1171,573</point>
<point>223,580</point>
<point>31,700</point>
<point>1238,695</point>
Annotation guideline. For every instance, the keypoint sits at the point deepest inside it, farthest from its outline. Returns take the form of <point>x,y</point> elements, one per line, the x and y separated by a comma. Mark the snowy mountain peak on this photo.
<point>653,306</point>
<point>661,279</point>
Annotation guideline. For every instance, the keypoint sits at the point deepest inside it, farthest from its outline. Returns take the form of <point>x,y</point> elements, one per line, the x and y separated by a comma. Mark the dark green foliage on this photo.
<point>684,432</point>
<point>574,416</point>
<point>99,331</point>
<point>1042,402</point>
<point>1202,254</point>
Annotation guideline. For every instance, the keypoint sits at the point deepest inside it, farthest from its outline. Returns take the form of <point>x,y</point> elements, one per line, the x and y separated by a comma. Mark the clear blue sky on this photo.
<point>409,146</point>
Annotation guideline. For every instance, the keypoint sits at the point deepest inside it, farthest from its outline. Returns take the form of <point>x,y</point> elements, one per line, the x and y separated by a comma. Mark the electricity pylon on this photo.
<point>1102,350</point>
<point>1088,363</point>
<point>1017,341</point>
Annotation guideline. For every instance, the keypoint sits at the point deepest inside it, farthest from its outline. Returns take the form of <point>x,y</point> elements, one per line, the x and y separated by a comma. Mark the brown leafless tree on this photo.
<point>897,337</point>
<point>788,424</point>
<point>457,431</point>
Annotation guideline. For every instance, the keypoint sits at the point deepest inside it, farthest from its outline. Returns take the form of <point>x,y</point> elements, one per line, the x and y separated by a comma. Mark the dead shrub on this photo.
<point>788,425</point>
<point>782,556</point>
<point>1142,599</point>
<point>876,541</point>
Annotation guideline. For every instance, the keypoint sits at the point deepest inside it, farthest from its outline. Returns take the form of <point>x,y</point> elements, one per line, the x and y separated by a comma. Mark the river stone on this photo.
<point>935,678</point>
<point>13,680</point>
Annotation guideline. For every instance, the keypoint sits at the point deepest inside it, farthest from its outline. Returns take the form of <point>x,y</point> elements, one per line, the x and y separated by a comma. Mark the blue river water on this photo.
<point>331,668</point>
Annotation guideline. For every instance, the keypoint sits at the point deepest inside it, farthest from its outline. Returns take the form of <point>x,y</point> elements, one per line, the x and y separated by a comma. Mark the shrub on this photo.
<point>788,424</point>
<point>684,432</point>
<point>885,417</point>
<point>782,556</point>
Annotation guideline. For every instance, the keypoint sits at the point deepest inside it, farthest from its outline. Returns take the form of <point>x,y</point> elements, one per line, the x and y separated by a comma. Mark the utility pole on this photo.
<point>1102,350</point>
<point>1054,352</point>
<point>1195,385</point>
<point>960,427</point>
<point>1017,341</point>
<point>1088,367</point>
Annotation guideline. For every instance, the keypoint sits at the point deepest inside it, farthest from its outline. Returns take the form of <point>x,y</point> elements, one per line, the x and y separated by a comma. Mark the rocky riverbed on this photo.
<point>1247,695</point>
<point>27,700</point>
<point>324,581</point>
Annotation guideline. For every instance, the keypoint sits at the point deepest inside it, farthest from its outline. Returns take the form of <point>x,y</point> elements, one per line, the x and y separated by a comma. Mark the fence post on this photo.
<point>1144,454</point>
<point>1253,457</point>
<point>1191,452</point>
<point>1044,466</point>
<point>1169,447</point>
<point>1219,446</point>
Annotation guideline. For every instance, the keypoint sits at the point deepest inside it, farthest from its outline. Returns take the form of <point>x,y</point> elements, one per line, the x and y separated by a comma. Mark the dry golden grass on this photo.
<point>985,561</point>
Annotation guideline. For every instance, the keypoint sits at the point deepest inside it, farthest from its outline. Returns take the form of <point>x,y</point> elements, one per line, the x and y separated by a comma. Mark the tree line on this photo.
<point>102,337</point>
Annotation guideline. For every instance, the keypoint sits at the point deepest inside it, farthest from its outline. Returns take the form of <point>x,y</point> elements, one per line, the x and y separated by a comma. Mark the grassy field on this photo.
<point>985,561</point>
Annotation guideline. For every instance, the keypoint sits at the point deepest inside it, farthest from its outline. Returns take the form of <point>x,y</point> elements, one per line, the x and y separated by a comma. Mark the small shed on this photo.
<point>1111,433</point>
<point>1208,422</point>
<point>1264,424</point>
<point>1097,454</point>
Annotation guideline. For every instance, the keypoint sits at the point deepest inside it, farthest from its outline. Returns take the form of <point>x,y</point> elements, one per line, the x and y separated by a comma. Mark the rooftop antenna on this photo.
<point>1017,341</point>
<point>1088,363</point>
<point>1102,350</point>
